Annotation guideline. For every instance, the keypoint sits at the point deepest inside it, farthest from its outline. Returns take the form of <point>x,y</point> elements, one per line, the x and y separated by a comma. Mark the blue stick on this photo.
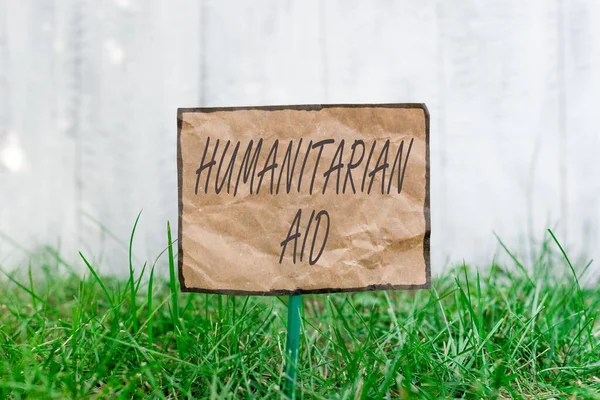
<point>292,345</point>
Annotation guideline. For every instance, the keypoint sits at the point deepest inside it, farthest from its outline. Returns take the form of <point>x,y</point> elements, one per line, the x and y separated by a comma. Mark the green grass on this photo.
<point>514,331</point>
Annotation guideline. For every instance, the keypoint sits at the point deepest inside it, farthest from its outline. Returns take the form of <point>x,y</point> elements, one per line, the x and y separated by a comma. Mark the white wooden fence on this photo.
<point>89,91</point>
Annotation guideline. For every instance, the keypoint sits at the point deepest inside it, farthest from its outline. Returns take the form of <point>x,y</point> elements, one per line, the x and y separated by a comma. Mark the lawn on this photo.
<point>501,331</point>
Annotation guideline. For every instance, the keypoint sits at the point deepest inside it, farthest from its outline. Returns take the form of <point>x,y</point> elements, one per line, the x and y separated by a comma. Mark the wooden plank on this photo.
<point>37,202</point>
<point>264,52</point>
<point>582,96</point>
<point>140,63</point>
<point>500,109</point>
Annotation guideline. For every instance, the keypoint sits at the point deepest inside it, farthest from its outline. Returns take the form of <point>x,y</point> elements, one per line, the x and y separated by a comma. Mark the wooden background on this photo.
<point>89,91</point>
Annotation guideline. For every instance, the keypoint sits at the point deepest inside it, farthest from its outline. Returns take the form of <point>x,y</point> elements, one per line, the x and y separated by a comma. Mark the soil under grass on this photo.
<point>509,332</point>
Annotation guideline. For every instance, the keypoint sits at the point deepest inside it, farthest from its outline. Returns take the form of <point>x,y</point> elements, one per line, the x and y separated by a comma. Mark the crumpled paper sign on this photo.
<point>303,199</point>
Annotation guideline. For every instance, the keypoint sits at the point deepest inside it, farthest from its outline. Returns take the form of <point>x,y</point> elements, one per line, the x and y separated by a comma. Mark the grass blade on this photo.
<point>97,278</point>
<point>25,288</point>
<point>132,277</point>
<point>150,295</point>
<point>515,259</point>
<point>173,286</point>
